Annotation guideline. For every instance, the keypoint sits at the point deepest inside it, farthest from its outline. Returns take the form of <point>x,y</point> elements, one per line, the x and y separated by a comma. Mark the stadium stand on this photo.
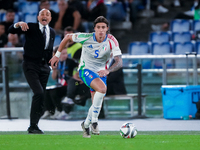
<point>197,47</point>
<point>180,25</point>
<point>196,25</point>
<point>182,48</point>
<point>181,36</point>
<point>159,37</point>
<point>161,48</point>
<point>140,48</point>
<point>118,16</point>
<point>28,7</point>
<point>30,17</point>
<point>54,6</point>
<point>116,12</point>
<point>164,48</point>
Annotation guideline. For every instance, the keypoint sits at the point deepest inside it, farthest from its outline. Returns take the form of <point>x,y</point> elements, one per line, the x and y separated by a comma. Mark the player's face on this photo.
<point>100,30</point>
<point>44,17</point>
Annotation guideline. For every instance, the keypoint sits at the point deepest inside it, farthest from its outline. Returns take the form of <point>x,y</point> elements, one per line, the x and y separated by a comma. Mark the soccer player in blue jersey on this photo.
<point>96,50</point>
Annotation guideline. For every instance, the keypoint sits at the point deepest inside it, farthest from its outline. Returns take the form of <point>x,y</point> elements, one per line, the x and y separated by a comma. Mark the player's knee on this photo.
<point>103,89</point>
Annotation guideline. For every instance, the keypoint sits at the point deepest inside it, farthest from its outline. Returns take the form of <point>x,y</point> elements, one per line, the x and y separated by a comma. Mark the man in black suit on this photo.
<point>38,49</point>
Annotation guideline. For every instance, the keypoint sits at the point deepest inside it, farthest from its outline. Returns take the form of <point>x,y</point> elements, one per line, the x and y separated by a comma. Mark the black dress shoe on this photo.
<point>34,130</point>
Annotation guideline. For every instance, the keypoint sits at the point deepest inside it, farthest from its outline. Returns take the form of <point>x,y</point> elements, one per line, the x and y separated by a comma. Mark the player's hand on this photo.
<point>103,73</point>
<point>54,61</point>
<point>23,26</point>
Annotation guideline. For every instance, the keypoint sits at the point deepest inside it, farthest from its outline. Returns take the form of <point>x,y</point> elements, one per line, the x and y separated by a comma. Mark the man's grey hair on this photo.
<point>44,9</point>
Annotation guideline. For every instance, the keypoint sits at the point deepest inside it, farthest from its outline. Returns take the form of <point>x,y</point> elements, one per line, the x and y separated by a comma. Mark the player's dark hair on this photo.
<point>101,19</point>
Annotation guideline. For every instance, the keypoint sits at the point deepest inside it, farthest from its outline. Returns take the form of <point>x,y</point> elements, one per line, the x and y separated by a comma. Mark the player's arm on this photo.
<point>55,59</point>
<point>117,65</point>
<point>114,67</point>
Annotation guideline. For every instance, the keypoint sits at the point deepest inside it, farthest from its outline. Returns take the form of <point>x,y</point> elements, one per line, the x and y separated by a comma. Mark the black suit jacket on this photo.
<point>34,43</point>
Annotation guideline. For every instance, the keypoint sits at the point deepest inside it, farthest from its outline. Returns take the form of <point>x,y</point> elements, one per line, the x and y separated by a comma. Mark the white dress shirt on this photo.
<point>47,33</point>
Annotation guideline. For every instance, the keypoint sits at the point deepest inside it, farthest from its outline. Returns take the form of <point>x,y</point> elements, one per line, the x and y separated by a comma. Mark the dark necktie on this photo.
<point>44,34</point>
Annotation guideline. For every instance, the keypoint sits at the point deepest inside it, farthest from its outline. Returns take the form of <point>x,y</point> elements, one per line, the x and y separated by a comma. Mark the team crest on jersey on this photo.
<point>104,47</point>
<point>90,46</point>
<point>90,76</point>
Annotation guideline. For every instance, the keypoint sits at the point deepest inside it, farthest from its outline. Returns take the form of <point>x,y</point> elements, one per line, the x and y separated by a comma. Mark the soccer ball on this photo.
<point>128,130</point>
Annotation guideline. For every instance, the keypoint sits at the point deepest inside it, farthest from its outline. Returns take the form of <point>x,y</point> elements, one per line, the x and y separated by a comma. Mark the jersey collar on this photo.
<point>96,39</point>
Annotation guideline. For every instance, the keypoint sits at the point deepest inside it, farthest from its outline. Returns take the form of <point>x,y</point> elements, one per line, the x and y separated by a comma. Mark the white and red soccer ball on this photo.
<point>128,130</point>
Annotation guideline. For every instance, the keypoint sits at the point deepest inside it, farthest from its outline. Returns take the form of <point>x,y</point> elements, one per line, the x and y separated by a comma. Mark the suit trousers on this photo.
<point>37,76</point>
<point>53,98</point>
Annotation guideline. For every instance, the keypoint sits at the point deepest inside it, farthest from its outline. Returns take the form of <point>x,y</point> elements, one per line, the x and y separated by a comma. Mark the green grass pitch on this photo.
<point>111,140</point>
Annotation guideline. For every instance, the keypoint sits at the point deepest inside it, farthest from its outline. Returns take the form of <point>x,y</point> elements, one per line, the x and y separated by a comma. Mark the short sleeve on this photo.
<point>81,37</point>
<point>114,45</point>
